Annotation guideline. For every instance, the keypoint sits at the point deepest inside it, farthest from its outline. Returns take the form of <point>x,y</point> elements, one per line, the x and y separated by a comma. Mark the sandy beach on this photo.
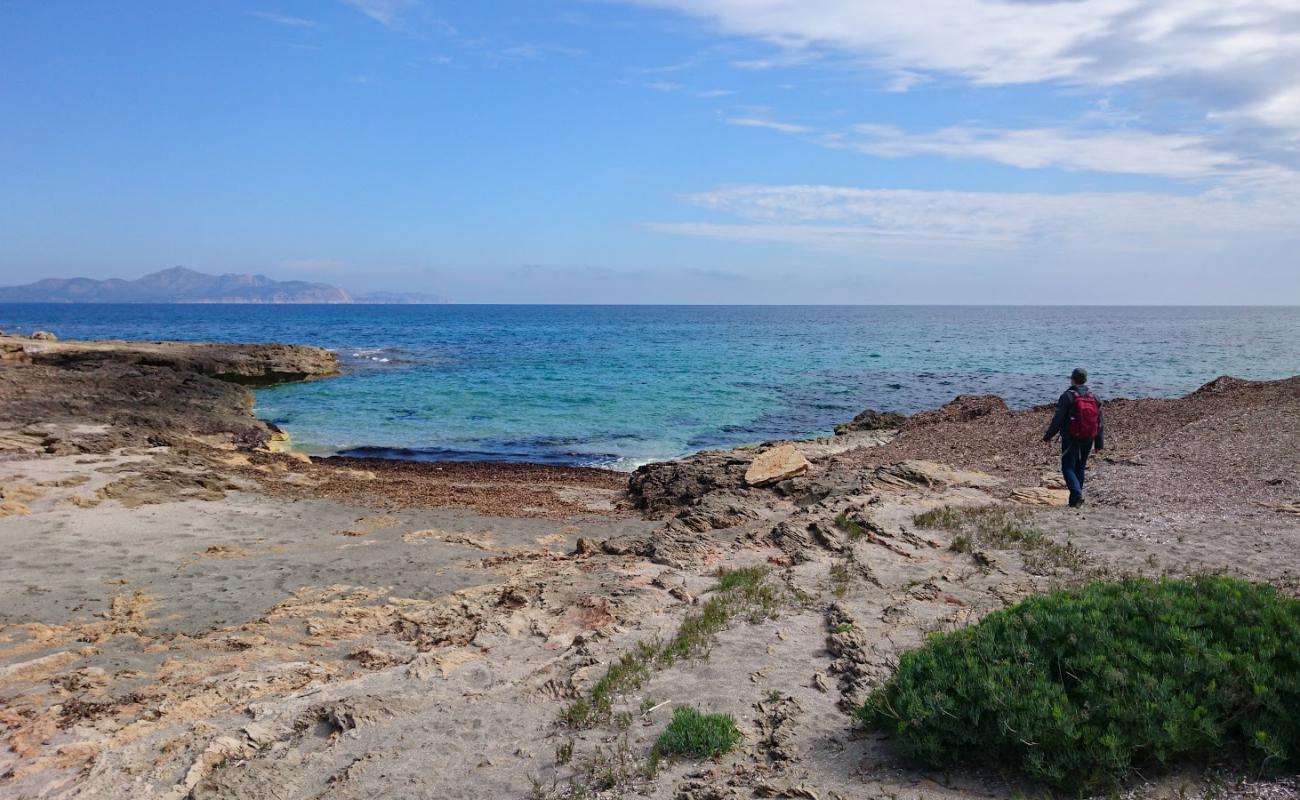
<point>191,609</point>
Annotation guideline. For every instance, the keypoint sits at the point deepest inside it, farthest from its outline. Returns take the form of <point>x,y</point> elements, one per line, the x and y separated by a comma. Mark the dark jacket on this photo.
<point>1061,420</point>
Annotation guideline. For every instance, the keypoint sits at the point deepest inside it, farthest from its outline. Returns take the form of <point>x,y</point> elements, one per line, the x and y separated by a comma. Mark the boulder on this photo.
<point>45,336</point>
<point>776,465</point>
<point>872,420</point>
<point>669,486</point>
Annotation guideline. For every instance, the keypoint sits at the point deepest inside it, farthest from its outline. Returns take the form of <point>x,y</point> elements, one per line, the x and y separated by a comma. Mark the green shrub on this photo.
<point>1076,688</point>
<point>697,735</point>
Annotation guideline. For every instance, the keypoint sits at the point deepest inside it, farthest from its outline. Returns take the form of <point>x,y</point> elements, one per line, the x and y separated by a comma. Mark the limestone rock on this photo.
<point>248,364</point>
<point>1041,496</point>
<point>931,475</point>
<point>1052,480</point>
<point>776,465</point>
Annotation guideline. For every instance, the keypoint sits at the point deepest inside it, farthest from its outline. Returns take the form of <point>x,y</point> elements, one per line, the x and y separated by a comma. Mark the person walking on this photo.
<point>1080,423</point>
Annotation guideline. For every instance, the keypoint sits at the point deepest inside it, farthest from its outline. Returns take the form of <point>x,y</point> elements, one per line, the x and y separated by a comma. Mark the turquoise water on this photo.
<point>622,385</point>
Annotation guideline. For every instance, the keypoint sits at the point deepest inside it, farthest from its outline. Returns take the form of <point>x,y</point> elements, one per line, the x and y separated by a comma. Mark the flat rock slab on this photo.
<point>1041,496</point>
<point>776,465</point>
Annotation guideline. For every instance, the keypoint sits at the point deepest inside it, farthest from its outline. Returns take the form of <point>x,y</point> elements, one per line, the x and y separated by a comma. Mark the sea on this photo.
<point>620,386</point>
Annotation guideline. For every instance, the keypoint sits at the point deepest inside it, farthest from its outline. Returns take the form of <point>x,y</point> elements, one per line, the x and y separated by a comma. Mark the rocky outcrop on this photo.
<point>669,486</point>
<point>964,408</point>
<point>248,364</point>
<point>871,420</point>
<point>930,475</point>
<point>78,397</point>
<point>776,465</point>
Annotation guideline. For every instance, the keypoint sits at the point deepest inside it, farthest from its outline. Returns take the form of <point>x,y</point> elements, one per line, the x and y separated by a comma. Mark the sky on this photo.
<point>662,151</point>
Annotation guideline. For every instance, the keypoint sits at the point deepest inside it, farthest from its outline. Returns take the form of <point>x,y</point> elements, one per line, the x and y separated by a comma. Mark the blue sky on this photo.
<point>715,151</point>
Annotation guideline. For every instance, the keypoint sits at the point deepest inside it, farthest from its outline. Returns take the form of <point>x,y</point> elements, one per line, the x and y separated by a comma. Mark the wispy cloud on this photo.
<point>1233,62</point>
<point>529,51</point>
<point>1132,152</point>
<point>854,219</point>
<point>285,20</point>
<point>759,122</point>
<point>386,12</point>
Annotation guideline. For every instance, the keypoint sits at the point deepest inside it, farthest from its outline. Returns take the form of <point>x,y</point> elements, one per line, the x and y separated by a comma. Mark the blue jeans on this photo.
<point>1074,464</point>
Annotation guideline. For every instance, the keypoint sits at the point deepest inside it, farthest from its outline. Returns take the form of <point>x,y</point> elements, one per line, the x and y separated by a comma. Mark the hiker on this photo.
<point>1079,421</point>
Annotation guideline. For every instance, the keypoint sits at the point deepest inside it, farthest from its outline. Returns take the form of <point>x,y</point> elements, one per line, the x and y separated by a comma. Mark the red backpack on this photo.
<point>1085,417</point>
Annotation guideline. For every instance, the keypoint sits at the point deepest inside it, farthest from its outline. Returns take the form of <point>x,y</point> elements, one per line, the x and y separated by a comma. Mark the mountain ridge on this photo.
<point>176,285</point>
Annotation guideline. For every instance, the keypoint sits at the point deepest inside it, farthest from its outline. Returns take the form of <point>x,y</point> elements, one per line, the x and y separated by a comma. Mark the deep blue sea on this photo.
<point>621,385</point>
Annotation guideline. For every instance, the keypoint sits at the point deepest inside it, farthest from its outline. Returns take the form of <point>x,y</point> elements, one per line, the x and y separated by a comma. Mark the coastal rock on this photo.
<point>1041,496</point>
<point>13,351</point>
<point>248,364</point>
<point>776,465</point>
<point>670,485</point>
<point>715,512</point>
<point>44,336</point>
<point>963,408</point>
<point>871,420</point>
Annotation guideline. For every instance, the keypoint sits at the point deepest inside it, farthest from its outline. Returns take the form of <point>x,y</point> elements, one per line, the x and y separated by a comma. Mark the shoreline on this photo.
<point>193,614</point>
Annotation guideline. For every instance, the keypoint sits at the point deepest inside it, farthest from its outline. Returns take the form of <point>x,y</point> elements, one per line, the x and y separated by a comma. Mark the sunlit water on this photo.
<point>622,385</point>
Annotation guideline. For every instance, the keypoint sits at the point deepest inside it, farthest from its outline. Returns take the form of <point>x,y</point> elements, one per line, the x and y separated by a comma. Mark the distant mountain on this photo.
<point>175,285</point>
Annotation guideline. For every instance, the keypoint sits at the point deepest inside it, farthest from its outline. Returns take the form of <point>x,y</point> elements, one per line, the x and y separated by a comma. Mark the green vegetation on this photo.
<point>852,527</point>
<point>739,591</point>
<point>1003,528</point>
<point>697,735</point>
<point>841,578</point>
<point>1078,688</point>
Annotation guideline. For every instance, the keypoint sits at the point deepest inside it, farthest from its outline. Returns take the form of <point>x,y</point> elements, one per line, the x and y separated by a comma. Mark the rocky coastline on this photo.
<point>194,613</point>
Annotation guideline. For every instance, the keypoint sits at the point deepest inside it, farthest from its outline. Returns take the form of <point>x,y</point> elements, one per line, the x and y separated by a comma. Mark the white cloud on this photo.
<point>284,19</point>
<point>1228,56</point>
<point>757,122</point>
<point>851,218</point>
<point>386,12</point>
<point>1131,152</point>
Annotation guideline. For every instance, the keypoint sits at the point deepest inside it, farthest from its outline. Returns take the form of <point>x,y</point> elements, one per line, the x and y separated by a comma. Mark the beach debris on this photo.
<point>776,465</point>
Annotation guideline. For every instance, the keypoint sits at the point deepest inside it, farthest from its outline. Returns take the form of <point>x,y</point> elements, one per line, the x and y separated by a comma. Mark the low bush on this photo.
<point>697,735</point>
<point>1078,688</point>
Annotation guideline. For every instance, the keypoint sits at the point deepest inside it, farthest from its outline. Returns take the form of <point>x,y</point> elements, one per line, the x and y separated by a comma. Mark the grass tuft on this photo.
<point>739,591</point>
<point>695,735</point>
<point>850,526</point>
<point>1004,528</point>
